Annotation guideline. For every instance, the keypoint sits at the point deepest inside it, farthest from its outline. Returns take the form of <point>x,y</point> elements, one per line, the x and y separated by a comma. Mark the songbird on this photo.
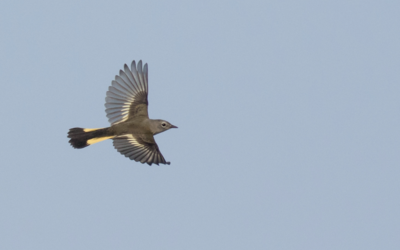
<point>131,130</point>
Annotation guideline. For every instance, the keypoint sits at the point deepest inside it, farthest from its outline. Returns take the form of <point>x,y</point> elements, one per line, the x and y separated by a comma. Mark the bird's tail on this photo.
<point>83,137</point>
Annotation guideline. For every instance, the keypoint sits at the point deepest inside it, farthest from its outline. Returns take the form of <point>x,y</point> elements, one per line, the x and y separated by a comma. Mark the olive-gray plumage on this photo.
<point>127,110</point>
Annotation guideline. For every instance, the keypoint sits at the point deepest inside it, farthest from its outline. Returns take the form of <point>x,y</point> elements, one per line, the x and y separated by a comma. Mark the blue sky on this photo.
<point>288,116</point>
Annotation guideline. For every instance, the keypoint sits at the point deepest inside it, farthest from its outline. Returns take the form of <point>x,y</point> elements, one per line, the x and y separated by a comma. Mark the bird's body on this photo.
<point>131,128</point>
<point>141,126</point>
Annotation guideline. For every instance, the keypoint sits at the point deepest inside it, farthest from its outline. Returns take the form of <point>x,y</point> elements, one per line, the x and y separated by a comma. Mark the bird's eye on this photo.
<point>163,124</point>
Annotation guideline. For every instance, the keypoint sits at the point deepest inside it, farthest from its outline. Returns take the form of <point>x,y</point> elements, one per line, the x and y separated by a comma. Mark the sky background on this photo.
<point>288,116</point>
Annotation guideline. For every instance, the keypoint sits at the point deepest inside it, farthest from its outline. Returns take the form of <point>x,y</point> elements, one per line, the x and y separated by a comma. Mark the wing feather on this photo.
<point>139,147</point>
<point>126,93</point>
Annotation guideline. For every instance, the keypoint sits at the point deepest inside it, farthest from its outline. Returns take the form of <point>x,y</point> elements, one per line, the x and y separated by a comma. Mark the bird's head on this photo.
<point>158,126</point>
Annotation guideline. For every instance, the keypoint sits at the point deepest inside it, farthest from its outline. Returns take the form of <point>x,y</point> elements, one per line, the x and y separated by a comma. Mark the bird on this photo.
<point>131,130</point>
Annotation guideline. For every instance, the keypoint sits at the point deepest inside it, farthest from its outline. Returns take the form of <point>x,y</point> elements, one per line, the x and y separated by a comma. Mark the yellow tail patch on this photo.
<point>98,139</point>
<point>90,129</point>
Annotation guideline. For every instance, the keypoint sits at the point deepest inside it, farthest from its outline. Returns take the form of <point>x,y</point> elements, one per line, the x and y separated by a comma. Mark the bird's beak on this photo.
<point>173,126</point>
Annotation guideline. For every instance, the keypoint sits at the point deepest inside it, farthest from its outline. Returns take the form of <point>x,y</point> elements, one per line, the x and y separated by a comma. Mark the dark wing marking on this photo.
<point>139,147</point>
<point>127,96</point>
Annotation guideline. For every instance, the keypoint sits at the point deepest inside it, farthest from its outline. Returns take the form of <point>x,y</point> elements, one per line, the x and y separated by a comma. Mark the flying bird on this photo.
<point>131,130</point>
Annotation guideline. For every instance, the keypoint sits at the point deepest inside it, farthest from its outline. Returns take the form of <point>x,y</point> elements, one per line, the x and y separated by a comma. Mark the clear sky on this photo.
<point>288,116</point>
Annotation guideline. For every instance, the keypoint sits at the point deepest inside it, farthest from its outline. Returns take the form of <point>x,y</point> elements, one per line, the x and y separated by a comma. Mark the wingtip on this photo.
<point>133,65</point>
<point>126,69</point>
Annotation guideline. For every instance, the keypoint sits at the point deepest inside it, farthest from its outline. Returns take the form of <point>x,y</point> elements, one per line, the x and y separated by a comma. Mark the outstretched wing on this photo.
<point>139,147</point>
<point>127,96</point>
